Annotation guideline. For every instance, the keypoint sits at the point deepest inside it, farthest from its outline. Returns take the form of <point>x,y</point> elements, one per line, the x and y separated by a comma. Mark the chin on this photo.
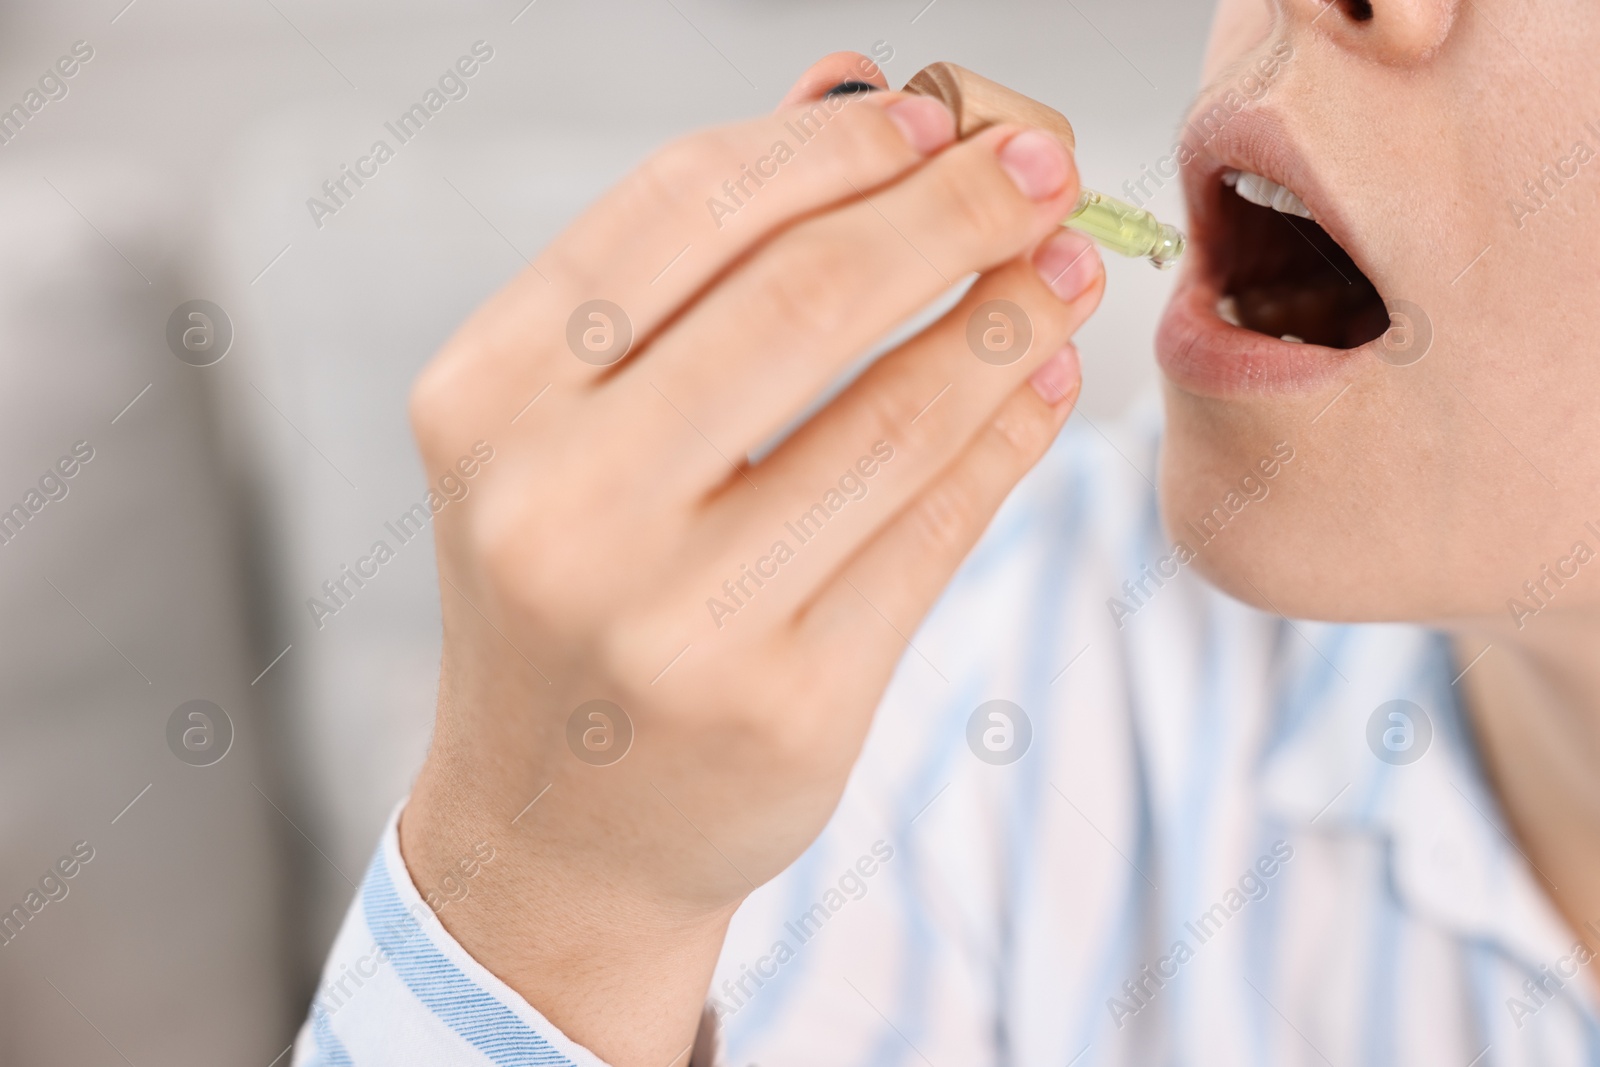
<point>1303,526</point>
<point>1224,481</point>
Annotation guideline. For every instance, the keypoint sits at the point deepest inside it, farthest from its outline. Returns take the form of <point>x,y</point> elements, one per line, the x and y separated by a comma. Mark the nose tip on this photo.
<point>1394,32</point>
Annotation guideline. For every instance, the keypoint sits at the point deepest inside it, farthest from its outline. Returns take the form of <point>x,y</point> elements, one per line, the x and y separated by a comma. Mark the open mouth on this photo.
<point>1279,273</point>
<point>1279,293</point>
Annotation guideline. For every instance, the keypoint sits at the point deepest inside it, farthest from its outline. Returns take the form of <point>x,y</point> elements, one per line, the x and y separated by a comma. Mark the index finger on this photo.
<point>664,233</point>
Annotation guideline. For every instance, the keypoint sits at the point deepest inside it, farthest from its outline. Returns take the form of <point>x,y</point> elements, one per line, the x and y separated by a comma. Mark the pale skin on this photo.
<point>619,502</point>
<point>1425,494</point>
<point>582,565</point>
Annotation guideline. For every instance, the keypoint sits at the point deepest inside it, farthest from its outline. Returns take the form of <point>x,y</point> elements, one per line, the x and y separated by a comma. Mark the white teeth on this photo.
<point>1228,311</point>
<point>1267,193</point>
<point>1292,339</point>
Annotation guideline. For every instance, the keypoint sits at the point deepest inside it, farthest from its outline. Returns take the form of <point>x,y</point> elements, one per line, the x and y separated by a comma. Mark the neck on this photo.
<point>1534,701</point>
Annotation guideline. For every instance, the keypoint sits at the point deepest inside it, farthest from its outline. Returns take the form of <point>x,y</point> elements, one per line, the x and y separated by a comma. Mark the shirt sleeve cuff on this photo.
<point>399,990</point>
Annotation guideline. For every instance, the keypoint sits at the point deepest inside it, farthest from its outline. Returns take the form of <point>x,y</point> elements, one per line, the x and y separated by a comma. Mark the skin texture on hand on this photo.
<point>661,659</point>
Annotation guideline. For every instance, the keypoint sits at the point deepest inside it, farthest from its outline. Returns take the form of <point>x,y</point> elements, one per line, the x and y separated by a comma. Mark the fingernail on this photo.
<point>851,88</point>
<point>925,123</point>
<point>1068,262</point>
<point>1059,378</point>
<point>1037,163</point>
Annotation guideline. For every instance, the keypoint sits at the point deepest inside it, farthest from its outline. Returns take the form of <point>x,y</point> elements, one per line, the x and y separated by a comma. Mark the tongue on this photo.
<point>1326,312</point>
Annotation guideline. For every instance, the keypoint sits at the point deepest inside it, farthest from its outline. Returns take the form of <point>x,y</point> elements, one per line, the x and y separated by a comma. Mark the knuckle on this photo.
<point>500,547</point>
<point>944,519</point>
<point>659,180</point>
<point>445,404</point>
<point>514,553</point>
<point>801,290</point>
<point>578,276</point>
<point>794,739</point>
<point>1024,430</point>
<point>891,411</point>
<point>1053,322</point>
<point>675,177</point>
<point>780,722</point>
<point>429,408</point>
<point>628,650</point>
<point>865,140</point>
<point>422,409</point>
<point>981,203</point>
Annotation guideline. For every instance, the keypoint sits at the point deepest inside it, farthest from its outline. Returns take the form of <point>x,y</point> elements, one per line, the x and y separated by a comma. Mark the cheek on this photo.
<point>1239,26</point>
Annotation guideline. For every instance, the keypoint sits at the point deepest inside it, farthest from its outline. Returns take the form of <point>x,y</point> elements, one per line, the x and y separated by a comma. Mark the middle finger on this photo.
<point>754,351</point>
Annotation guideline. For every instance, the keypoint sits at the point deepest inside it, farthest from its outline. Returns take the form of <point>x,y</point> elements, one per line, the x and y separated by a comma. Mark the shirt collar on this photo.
<point>1451,854</point>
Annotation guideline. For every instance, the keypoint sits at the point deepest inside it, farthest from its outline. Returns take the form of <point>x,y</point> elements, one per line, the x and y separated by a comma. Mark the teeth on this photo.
<point>1228,311</point>
<point>1292,339</point>
<point>1267,193</point>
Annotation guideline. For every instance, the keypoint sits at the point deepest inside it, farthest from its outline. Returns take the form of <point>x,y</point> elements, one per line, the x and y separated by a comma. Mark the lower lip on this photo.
<point>1203,354</point>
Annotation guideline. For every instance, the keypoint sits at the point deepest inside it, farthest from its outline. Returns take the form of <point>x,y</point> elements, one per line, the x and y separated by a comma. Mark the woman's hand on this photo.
<point>675,650</point>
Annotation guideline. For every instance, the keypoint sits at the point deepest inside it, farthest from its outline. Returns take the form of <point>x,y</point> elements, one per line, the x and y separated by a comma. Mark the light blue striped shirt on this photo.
<point>1196,834</point>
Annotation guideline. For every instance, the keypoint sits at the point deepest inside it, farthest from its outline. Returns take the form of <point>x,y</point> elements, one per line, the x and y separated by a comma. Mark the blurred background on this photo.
<point>175,165</point>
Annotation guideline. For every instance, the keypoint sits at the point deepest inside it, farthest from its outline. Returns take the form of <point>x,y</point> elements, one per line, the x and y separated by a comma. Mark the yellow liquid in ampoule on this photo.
<point>1126,229</point>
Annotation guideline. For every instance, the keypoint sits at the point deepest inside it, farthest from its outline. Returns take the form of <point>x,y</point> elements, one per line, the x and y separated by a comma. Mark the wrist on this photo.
<point>620,971</point>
